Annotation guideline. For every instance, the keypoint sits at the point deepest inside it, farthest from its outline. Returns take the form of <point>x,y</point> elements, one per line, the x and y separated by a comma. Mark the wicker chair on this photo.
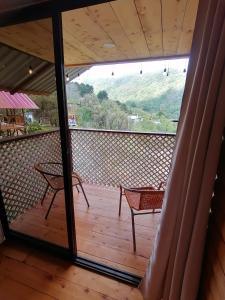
<point>142,199</point>
<point>52,173</point>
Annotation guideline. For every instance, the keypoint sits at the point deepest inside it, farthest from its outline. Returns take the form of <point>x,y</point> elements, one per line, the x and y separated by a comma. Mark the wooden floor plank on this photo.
<point>12,290</point>
<point>101,234</point>
<point>44,277</point>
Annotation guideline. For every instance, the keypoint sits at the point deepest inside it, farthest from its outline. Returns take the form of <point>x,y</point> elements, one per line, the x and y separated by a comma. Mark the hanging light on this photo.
<point>165,71</point>
<point>112,73</point>
<point>141,69</point>
<point>30,71</point>
<point>184,70</point>
<point>67,77</point>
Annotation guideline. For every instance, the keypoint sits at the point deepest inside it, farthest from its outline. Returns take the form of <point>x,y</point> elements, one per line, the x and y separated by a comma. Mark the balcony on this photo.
<point>104,159</point>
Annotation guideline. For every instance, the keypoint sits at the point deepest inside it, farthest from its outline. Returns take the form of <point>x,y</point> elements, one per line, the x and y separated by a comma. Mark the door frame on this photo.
<point>54,11</point>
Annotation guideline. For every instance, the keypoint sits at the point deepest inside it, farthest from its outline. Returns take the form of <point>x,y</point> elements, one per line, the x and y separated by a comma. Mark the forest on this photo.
<point>150,102</point>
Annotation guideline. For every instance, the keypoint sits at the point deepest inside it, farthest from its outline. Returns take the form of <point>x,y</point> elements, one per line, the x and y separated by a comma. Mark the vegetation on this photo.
<point>152,92</point>
<point>33,127</point>
<point>48,109</point>
<point>148,102</point>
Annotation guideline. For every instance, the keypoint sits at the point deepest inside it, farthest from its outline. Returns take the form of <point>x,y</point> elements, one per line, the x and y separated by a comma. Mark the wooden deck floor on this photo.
<point>26,274</point>
<point>101,234</point>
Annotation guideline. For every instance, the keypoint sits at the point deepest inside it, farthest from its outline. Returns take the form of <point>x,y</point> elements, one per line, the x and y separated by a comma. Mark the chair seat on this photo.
<point>57,182</point>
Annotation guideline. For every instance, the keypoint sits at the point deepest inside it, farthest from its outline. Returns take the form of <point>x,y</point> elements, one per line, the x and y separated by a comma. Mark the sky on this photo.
<point>123,69</point>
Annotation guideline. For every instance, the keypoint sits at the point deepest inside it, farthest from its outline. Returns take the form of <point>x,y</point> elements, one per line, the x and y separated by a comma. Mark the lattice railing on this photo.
<point>101,157</point>
<point>113,158</point>
<point>22,187</point>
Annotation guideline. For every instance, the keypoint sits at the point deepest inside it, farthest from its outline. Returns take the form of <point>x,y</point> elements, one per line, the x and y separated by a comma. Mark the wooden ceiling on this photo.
<point>114,31</point>
<point>17,4</point>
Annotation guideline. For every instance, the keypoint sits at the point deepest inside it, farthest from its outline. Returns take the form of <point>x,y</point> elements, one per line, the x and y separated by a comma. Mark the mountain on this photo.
<point>152,91</point>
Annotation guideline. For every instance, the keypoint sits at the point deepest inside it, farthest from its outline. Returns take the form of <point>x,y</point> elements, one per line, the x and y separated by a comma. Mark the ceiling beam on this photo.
<point>44,10</point>
<point>132,60</point>
<point>32,77</point>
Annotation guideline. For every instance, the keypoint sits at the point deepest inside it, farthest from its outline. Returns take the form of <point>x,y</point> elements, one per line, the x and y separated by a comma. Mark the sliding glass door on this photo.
<point>32,181</point>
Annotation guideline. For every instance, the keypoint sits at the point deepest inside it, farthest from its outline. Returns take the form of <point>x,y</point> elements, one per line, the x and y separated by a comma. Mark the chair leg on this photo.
<point>50,206</point>
<point>77,189</point>
<point>133,230</point>
<point>121,194</point>
<point>84,194</point>
<point>46,189</point>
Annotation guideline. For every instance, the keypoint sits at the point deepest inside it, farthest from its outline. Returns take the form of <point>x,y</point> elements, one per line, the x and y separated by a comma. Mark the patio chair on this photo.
<point>52,173</point>
<point>145,199</point>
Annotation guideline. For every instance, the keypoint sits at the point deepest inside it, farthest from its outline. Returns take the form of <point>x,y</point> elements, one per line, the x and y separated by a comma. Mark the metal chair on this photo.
<point>52,173</point>
<point>142,199</point>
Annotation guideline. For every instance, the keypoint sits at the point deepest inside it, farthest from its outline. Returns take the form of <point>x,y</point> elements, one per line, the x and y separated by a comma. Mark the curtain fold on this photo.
<point>174,269</point>
<point>1,234</point>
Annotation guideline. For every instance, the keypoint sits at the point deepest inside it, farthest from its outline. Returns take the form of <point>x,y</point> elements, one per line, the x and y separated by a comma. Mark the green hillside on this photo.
<point>152,92</point>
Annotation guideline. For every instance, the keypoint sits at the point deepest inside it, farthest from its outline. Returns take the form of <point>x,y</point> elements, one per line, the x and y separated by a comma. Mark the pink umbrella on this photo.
<point>16,101</point>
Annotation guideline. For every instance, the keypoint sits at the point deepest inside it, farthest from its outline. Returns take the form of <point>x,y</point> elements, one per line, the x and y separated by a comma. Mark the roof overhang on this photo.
<point>110,32</point>
<point>15,77</point>
<point>117,31</point>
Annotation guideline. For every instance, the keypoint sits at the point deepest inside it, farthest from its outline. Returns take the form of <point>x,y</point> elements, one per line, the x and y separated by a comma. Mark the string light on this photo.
<point>185,70</point>
<point>165,71</point>
<point>67,77</point>
<point>141,70</point>
<point>112,73</point>
<point>30,71</point>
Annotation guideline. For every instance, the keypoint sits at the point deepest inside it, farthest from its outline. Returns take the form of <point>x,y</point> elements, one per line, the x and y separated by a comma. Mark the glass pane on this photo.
<point>30,150</point>
<point>130,123</point>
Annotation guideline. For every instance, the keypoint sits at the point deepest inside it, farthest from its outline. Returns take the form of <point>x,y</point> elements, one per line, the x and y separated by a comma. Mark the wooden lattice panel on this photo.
<point>22,187</point>
<point>113,158</point>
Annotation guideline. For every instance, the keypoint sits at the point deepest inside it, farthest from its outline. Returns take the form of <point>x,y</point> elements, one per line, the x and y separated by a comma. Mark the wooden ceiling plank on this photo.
<point>138,28</point>
<point>185,41</point>
<point>90,33</point>
<point>74,50</point>
<point>105,17</point>
<point>173,12</point>
<point>126,12</point>
<point>30,38</point>
<point>150,15</point>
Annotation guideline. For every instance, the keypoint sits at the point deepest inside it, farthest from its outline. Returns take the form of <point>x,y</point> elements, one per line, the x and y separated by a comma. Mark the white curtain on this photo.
<point>175,265</point>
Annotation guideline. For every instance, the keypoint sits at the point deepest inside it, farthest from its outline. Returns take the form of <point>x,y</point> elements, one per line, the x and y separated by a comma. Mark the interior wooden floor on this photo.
<point>26,274</point>
<point>101,234</point>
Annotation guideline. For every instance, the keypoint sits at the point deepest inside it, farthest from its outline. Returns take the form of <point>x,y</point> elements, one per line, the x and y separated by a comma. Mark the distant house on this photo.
<point>134,118</point>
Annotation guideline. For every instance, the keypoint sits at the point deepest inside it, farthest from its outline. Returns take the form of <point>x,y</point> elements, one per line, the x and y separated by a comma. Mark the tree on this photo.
<point>85,89</point>
<point>102,95</point>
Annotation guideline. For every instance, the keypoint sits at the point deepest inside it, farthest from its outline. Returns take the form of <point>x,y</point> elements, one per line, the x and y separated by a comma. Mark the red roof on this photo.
<point>16,101</point>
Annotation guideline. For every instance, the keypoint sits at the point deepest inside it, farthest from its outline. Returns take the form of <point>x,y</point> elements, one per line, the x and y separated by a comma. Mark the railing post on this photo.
<point>64,129</point>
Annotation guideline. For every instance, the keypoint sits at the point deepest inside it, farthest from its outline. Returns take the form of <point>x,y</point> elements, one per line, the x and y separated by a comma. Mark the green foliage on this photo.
<point>48,108</point>
<point>85,89</point>
<point>33,127</point>
<point>151,91</point>
<point>152,115</point>
<point>139,103</point>
<point>102,95</point>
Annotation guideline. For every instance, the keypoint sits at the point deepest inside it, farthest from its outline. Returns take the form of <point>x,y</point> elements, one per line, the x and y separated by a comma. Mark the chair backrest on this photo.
<point>49,170</point>
<point>151,199</point>
<point>162,185</point>
<point>144,198</point>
